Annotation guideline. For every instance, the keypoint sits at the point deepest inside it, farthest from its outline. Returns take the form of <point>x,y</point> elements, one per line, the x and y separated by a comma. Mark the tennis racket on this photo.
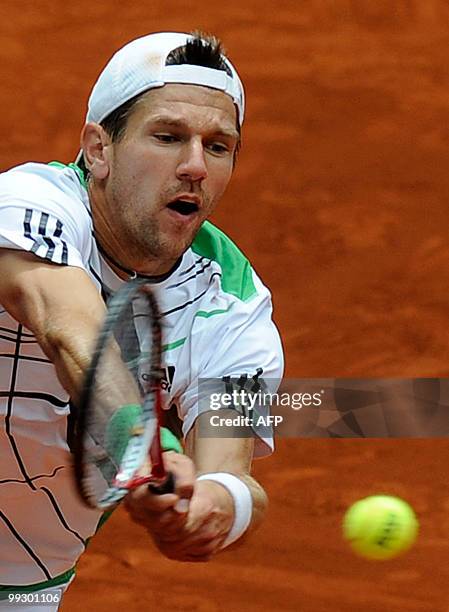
<point>116,441</point>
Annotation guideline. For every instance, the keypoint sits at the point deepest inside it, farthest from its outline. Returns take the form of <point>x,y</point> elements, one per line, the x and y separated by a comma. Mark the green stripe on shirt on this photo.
<point>237,276</point>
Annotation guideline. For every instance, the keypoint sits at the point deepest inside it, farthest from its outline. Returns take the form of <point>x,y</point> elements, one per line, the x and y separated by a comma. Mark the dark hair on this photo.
<point>115,123</point>
<point>202,50</point>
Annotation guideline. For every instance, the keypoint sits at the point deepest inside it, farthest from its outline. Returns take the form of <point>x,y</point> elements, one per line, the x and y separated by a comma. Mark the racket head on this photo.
<point>120,404</point>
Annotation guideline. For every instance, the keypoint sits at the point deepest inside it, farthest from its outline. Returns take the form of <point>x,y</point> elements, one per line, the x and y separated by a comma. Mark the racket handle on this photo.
<point>168,486</point>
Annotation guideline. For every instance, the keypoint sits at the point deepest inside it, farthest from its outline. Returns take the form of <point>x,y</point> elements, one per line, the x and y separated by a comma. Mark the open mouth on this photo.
<point>183,207</point>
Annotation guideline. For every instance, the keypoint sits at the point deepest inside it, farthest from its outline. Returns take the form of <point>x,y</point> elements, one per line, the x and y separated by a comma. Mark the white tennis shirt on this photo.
<point>217,321</point>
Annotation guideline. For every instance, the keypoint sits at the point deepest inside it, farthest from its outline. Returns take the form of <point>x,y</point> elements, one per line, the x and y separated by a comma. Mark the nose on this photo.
<point>192,164</point>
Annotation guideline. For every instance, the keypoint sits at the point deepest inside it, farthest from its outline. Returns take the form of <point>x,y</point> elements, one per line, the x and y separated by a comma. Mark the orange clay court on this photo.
<point>341,201</point>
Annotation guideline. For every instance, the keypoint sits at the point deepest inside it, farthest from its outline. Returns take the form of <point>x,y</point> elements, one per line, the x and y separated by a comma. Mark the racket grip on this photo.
<point>168,486</point>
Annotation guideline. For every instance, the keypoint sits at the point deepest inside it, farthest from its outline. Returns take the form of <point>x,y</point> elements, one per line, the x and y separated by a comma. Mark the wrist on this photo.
<point>242,500</point>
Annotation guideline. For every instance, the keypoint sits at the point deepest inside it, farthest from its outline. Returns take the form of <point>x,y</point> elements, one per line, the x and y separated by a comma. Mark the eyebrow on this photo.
<point>180,123</point>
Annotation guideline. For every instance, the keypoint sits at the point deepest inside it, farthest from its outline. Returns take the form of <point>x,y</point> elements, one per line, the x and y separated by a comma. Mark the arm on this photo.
<point>59,304</point>
<point>62,307</point>
<point>251,343</point>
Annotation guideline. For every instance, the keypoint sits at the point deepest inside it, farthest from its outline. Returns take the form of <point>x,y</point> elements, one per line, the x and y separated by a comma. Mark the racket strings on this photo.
<point>122,406</point>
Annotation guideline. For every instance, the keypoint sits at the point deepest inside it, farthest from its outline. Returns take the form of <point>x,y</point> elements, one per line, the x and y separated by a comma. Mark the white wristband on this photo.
<point>243,503</point>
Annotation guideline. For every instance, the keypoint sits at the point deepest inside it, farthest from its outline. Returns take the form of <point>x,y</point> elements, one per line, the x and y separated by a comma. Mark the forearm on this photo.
<point>59,305</point>
<point>67,336</point>
<point>70,352</point>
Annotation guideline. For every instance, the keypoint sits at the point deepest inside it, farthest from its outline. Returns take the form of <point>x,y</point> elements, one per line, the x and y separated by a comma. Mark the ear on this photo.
<point>95,143</point>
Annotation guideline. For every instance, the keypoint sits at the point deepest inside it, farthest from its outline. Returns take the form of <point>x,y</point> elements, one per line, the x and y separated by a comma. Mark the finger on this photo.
<point>168,523</point>
<point>171,521</point>
<point>186,557</point>
<point>191,552</point>
<point>182,506</point>
<point>176,555</point>
<point>183,472</point>
<point>201,511</point>
<point>172,533</point>
<point>150,502</point>
<point>207,549</point>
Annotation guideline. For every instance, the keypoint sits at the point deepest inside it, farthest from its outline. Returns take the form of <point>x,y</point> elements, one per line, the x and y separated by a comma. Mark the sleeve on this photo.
<point>243,347</point>
<point>38,216</point>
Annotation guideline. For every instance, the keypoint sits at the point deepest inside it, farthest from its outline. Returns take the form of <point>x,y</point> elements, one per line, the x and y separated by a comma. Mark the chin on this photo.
<point>168,256</point>
<point>175,246</point>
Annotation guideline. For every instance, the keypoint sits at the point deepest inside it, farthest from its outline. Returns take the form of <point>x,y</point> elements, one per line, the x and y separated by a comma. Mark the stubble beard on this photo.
<point>141,238</point>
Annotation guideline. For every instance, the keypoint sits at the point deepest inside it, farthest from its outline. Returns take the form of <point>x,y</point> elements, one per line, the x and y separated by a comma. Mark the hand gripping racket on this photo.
<point>117,434</point>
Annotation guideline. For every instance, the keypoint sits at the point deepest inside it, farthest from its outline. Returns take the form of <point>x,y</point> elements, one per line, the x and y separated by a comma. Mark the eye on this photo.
<point>218,148</point>
<point>166,138</point>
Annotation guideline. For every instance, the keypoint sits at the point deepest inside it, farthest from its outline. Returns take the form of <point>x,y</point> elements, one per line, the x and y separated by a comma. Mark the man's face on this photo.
<point>169,170</point>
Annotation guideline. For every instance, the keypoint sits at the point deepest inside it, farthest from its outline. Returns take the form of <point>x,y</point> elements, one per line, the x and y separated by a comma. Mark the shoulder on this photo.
<point>53,174</point>
<point>38,181</point>
<point>49,188</point>
<point>46,178</point>
<point>237,276</point>
<point>42,205</point>
<point>235,306</point>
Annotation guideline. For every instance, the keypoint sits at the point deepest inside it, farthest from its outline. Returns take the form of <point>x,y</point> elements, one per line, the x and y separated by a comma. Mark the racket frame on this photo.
<point>152,408</point>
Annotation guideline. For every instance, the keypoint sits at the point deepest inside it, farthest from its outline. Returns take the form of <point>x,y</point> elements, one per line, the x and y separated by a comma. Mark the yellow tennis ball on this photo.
<point>380,527</point>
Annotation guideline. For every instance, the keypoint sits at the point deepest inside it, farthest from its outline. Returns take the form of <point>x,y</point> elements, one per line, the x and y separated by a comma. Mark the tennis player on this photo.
<point>158,149</point>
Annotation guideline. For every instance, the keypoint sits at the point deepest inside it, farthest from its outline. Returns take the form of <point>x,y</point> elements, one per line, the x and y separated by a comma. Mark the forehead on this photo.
<point>194,104</point>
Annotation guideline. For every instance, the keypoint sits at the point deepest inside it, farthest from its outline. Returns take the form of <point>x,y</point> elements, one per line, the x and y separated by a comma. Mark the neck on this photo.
<point>121,271</point>
<point>124,264</point>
